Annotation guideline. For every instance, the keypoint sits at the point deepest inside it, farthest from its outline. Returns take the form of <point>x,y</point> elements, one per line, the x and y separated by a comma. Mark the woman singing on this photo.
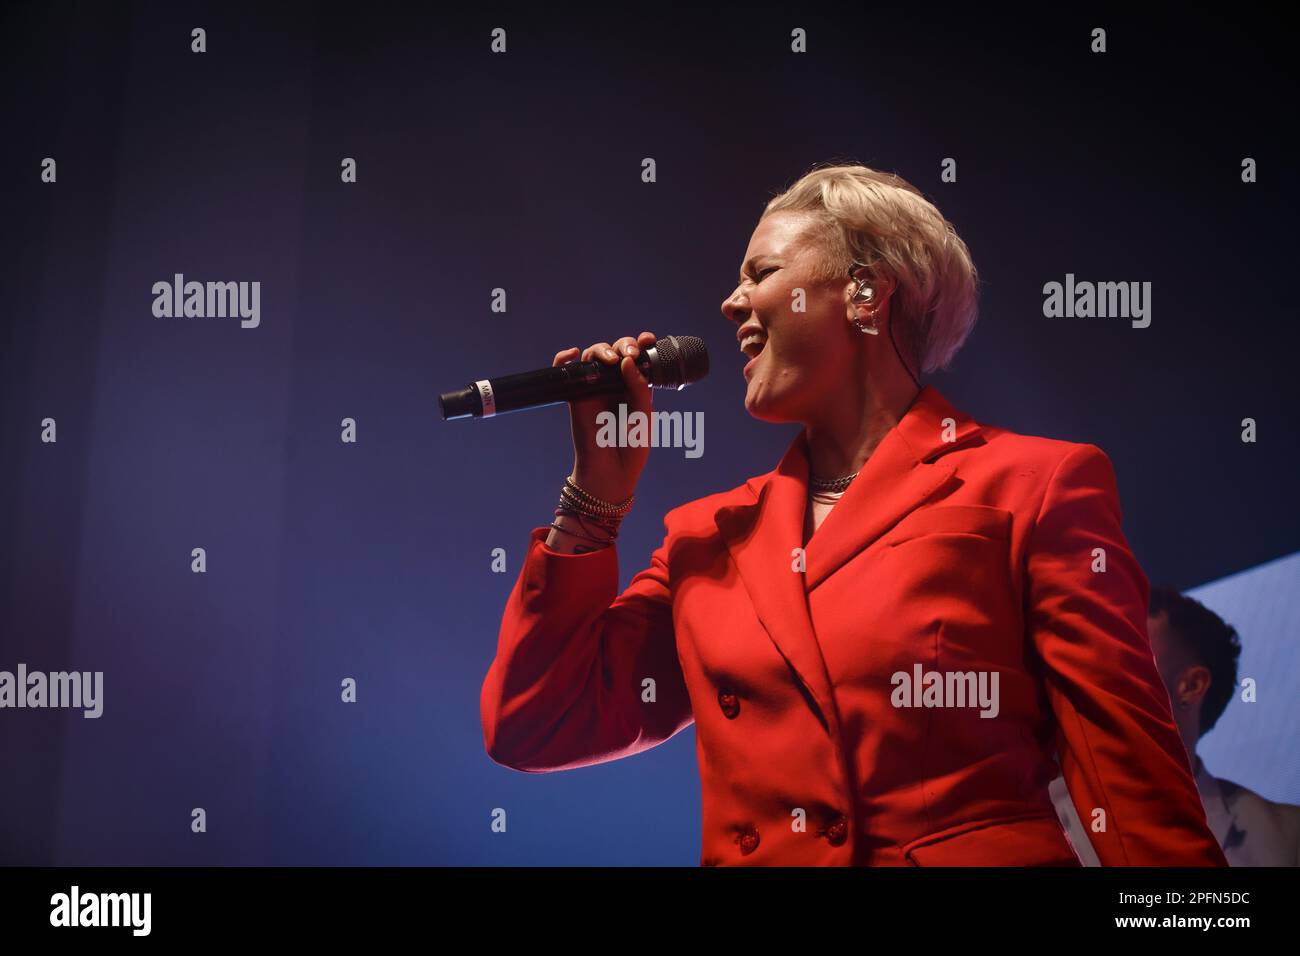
<point>887,642</point>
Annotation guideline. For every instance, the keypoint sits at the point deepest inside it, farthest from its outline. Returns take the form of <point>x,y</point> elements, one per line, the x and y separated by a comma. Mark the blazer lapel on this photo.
<point>900,476</point>
<point>763,535</point>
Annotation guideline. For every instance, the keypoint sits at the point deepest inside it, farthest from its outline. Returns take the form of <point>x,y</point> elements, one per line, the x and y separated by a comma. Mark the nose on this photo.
<point>735,307</point>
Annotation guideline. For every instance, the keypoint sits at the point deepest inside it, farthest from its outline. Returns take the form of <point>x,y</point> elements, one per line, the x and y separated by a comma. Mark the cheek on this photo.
<point>809,338</point>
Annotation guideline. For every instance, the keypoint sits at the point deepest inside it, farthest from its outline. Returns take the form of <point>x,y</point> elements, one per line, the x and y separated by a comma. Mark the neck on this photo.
<point>841,441</point>
<point>1189,729</point>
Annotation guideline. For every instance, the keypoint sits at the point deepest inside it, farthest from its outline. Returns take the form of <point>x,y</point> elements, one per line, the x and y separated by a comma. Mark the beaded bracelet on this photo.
<point>580,507</point>
<point>588,510</point>
<point>593,505</point>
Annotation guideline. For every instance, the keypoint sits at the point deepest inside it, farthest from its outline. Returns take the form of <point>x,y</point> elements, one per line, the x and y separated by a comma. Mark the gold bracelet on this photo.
<point>604,508</point>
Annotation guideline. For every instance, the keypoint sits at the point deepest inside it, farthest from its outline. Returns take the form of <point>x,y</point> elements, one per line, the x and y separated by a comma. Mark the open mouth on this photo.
<point>753,344</point>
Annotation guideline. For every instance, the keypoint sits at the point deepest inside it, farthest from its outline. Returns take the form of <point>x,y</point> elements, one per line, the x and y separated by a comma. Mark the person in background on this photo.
<point>1196,653</point>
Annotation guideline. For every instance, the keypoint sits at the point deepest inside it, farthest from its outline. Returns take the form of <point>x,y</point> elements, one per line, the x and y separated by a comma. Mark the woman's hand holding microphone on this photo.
<point>599,491</point>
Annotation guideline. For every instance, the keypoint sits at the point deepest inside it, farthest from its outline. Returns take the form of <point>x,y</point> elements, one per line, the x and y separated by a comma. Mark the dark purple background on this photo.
<point>522,171</point>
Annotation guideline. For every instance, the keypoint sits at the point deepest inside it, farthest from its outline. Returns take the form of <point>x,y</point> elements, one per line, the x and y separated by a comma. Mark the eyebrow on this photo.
<point>749,263</point>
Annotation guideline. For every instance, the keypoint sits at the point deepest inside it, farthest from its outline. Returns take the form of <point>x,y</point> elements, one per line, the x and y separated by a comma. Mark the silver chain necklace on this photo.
<point>830,484</point>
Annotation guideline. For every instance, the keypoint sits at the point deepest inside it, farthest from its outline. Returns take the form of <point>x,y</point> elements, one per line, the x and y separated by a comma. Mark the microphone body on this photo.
<point>672,362</point>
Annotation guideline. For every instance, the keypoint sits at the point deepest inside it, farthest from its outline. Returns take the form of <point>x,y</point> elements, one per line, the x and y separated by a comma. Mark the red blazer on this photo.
<point>959,549</point>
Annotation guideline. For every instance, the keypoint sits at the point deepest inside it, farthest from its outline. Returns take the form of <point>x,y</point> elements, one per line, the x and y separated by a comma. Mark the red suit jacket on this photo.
<point>961,549</point>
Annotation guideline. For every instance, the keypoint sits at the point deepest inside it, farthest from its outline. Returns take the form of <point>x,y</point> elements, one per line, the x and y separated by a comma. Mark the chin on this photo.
<point>768,411</point>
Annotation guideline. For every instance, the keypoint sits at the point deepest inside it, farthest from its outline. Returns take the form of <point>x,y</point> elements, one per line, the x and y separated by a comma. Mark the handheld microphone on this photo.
<point>674,361</point>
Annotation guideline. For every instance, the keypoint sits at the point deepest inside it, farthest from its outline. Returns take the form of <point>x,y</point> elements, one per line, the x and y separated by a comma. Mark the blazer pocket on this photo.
<point>1036,840</point>
<point>981,520</point>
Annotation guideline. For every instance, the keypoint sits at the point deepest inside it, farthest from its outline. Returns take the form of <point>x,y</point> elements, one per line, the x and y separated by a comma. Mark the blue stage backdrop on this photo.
<point>522,171</point>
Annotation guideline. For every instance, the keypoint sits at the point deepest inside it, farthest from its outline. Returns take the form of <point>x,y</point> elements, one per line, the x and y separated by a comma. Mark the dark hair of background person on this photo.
<point>1210,641</point>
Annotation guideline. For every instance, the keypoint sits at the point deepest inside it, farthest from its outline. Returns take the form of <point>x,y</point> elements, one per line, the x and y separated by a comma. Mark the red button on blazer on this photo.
<point>844,682</point>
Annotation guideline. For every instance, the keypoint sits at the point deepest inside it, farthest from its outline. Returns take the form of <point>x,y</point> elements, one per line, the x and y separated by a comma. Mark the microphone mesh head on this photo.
<point>679,361</point>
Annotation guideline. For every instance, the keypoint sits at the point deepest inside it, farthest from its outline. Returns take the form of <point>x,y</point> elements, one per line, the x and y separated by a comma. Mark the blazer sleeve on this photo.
<point>1119,748</point>
<point>583,674</point>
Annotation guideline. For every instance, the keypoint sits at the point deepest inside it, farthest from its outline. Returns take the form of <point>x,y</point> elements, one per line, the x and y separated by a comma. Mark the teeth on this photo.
<point>752,344</point>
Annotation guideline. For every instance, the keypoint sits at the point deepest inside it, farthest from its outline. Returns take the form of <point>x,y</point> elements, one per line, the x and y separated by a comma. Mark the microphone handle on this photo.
<point>571,381</point>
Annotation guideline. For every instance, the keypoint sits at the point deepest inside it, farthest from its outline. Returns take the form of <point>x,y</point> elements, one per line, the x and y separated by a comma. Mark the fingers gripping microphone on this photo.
<point>674,361</point>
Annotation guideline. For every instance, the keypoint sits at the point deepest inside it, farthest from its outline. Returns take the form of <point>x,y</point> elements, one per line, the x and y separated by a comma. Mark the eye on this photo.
<point>766,272</point>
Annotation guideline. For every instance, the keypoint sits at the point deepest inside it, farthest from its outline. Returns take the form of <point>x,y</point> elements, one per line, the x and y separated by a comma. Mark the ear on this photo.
<point>882,289</point>
<point>1193,685</point>
<point>883,285</point>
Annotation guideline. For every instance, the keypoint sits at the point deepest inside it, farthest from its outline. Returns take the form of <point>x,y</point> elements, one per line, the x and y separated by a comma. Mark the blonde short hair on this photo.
<point>883,220</point>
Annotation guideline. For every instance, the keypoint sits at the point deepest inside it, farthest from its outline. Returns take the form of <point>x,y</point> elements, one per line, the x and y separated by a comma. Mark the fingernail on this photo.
<point>610,353</point>
<point>632,351</point>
